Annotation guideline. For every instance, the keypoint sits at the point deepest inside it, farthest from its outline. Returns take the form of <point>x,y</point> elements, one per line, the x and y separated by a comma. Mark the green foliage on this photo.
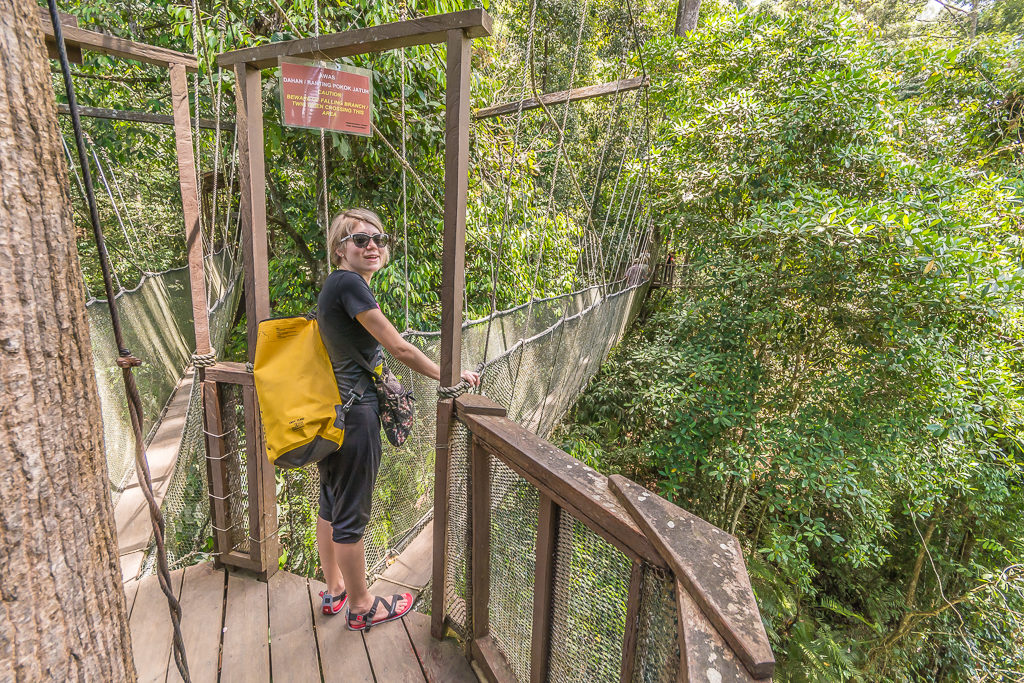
<point>517,204</point>
<point>840,375</point>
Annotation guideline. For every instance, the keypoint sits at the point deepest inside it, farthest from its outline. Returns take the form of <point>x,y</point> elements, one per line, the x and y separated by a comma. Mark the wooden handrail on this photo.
<point>581,490</point>
<point>709,569</point>
<point>141,117</point>
<point>719,625</point>
<point>229,373</point>
<point>562,96</point>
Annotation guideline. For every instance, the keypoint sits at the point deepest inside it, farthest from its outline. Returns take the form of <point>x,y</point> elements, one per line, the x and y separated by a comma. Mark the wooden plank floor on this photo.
<point>236,628</point>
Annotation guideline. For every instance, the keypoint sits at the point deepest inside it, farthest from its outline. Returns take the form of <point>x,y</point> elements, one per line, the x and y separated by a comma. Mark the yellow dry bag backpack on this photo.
<point>301,408</point>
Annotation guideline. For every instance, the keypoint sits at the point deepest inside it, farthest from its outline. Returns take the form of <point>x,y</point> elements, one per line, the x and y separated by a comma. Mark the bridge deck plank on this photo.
<point>202,608</point>
<point>246,652</point>
<point>293,651</point>
<point>150,625</point>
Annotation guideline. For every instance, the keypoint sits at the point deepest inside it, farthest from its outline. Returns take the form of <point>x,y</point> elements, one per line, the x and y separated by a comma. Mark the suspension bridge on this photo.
<point>540,567</point>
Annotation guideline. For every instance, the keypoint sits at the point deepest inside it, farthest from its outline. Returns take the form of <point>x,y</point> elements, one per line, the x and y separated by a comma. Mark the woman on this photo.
<point>351,320</point>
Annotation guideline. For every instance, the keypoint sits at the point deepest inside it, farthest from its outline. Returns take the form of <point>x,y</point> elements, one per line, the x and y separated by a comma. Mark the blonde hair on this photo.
<point>344,224</point>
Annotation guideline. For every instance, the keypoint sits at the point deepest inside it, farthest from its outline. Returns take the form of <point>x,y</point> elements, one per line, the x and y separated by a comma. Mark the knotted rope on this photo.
<point>460,388</point>
<point>204,360</point>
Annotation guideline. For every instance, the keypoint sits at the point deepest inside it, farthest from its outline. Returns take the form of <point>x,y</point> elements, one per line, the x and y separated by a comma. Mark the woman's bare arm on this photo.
<point>377,324</point>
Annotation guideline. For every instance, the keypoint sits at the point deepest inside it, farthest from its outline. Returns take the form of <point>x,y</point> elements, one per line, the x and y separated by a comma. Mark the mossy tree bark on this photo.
<point>63,609</point>
<point>686,15</point>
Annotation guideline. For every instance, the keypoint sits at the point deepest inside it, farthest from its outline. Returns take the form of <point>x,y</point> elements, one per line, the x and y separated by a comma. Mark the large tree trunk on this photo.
<point>686,16</point>
<point>63,615</point>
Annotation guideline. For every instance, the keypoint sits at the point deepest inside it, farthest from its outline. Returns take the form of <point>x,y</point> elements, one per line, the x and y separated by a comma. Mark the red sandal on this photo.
<point>364,621</point>
<point>332,604</point>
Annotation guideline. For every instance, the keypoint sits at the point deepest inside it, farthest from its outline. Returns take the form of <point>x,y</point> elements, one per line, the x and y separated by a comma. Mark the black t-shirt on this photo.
<point>345,295</point>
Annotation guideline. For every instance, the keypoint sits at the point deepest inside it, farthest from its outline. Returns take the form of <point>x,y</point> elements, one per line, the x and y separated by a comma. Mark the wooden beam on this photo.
<point>442,459</point>
<point>488,655</point>
<point>65,18</point>
<point>543,588</point>
<point>228,373</point>
<point>562,96</point>
<point>190,206</point>
<point>456,183</point>
<point>453,260</point>
<point>74,54</point>
<point>141,117</point>
<point>263,542</point>
<point>253,203</point>
<point>629,638</point>
<point>476,23</point>
<point>93,41</point>
<point>216,469</point>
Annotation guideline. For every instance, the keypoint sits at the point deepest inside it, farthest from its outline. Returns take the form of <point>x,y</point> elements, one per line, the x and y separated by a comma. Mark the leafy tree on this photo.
<point>838,381</point>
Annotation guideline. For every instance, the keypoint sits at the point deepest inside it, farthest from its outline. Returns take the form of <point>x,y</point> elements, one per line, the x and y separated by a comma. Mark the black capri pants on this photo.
<point>348,475</point>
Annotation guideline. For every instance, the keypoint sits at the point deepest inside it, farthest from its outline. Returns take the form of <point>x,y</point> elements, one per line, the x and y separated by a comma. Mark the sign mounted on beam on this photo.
<point>330,97</point>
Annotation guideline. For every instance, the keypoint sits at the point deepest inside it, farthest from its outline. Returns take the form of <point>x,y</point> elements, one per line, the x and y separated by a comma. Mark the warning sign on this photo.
<point>335,97</point>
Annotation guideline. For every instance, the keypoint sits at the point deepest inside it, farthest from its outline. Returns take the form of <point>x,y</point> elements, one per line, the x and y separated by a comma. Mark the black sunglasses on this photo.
<point>361,239</point>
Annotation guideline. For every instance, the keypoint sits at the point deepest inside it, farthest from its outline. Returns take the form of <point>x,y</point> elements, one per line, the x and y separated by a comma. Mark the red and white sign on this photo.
<point>333,97</point>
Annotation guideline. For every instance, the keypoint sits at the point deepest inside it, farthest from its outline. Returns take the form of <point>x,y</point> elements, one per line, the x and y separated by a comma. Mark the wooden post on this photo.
<point>253,203</point>
<point>543,588</point>
<point>441,492</point>
<point>629,639</point>
<point>456,183</point>
<point>252,181</point>
<point>263,543</point>
<point>216,470</point>
<point>190,205</point>
<point>480,572</point>
<point>453,283</point>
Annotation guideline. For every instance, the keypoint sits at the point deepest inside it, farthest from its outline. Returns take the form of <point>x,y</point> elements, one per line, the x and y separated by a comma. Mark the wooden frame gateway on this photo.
<point>456,30</point>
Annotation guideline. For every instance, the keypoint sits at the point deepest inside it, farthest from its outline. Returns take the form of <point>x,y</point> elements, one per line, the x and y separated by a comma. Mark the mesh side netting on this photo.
<point>537,380</point>
<point>657,652</point>
<point>591,586</point>
<point>540,356</point>
<point>514,508</point>
<point>156,319</point>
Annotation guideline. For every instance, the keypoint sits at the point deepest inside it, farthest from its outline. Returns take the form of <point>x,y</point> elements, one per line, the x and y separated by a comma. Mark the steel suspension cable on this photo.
<point>126,361</point>
<point>496,260</point>
<point>405,189</point>
<point>117,187</point>
<point>110,195</point>
<point>217,103</point>
<point>611,200</point>
<point>323,153</point>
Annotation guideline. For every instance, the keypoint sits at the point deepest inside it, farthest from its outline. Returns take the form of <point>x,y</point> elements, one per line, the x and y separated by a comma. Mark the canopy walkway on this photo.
<point>543,568</point>
<point>234,613</point>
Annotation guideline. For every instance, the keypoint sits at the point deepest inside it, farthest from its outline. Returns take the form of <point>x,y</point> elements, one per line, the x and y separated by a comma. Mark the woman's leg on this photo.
<point>351,558</point>
<point>325,546</point>
<point>352,477</point>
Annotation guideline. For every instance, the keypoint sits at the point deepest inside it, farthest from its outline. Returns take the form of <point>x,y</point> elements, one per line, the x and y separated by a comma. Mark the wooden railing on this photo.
<point>714,618</point>
<point>663,275</point>
<point>719,627</point>
<point>244,535</point>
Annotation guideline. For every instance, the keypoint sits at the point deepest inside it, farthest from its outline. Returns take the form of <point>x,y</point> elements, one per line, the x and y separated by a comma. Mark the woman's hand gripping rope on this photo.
<point>470,378</point>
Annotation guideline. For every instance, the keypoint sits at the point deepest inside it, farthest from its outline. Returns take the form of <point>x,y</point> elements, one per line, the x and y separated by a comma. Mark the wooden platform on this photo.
<point>239,629</point>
